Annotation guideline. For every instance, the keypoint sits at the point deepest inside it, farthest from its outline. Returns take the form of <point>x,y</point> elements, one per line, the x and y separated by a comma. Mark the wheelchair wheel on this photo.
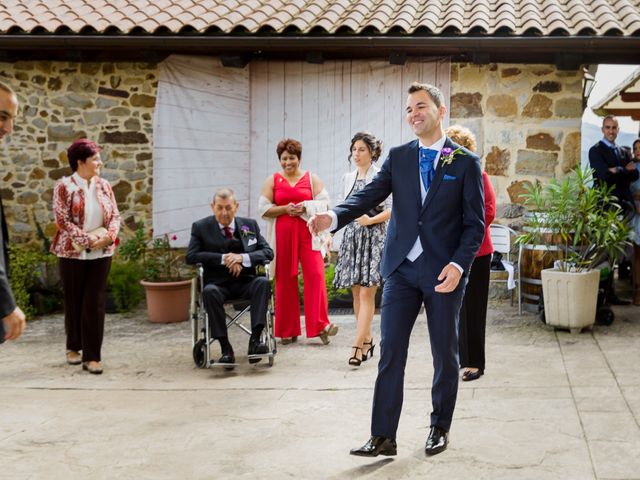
<point>271,360</point>
<point>604,316</point>
<point>200,353</point>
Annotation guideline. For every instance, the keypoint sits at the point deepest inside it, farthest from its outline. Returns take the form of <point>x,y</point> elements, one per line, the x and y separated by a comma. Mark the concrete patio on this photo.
<point>551,405</point>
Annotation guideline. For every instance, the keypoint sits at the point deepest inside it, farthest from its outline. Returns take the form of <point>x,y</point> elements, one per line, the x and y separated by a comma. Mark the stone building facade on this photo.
<point>111,103</point>
<point>527,120</point>
<point>526,117</point>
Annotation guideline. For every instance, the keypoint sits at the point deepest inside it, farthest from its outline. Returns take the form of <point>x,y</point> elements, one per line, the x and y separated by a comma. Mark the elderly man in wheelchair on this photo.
<point>228,249</point>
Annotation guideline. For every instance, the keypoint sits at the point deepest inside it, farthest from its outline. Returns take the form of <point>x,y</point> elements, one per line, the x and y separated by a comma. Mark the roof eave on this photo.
<point>482,49</point>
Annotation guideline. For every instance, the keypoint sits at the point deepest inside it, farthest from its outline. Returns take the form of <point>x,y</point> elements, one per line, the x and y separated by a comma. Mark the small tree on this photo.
<point>584,222</point>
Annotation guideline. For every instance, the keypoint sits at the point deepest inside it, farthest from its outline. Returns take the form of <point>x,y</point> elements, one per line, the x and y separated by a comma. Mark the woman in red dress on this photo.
<point>287,197</point>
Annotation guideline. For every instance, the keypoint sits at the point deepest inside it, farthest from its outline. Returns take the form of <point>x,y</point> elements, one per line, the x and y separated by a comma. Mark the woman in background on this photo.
<point>359,257</point>
<point>473,314</point>
<point>87,221</point>
<point>288,196</point>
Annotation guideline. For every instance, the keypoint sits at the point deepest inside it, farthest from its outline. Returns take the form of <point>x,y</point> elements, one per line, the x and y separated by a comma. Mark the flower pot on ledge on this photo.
<point>167,302</point>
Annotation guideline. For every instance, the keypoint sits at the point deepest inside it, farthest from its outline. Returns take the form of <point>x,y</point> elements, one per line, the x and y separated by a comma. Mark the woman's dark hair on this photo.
<point>80,150</point>
<point>290,145</point>
<point>373,144</point>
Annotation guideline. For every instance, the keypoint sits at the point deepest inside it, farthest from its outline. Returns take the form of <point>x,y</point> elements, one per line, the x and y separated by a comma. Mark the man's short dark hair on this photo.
<point>433,91</point>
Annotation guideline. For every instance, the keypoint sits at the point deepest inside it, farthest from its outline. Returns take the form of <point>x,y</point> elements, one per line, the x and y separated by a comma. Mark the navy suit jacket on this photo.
<point>450,222</point>
<point>208,245</point>
<point>7,302</point>
<point>601,158</point>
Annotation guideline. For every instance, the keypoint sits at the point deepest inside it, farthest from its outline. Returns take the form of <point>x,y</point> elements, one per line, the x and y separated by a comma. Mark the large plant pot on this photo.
<point>167,302</point>
<point>535,258</point>
<point>570,299</point>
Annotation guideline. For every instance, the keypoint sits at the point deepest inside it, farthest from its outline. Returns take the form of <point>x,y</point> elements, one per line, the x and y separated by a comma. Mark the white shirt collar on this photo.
<point>232,226</point>
<point>437,146</point>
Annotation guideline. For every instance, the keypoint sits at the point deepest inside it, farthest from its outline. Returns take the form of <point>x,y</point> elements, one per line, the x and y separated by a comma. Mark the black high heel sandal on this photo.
<point>369,352</point>
<point>355,361</point>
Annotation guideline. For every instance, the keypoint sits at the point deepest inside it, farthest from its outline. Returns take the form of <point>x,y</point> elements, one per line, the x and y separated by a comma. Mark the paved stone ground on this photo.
<point>552,405</point>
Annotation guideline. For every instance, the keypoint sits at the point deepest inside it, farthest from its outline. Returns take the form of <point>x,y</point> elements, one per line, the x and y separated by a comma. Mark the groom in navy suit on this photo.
<point>437,225</point>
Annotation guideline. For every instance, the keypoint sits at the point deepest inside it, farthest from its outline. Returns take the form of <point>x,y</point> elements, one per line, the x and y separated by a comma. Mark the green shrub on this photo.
<point>124,284</point>
<point>25,273</point>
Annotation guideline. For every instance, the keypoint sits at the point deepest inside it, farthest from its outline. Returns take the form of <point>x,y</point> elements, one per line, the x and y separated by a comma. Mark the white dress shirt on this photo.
<point>246,261</point>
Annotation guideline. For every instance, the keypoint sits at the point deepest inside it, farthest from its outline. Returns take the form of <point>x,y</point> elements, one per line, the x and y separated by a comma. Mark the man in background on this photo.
<point>614,166</point>
<point>13,319</point>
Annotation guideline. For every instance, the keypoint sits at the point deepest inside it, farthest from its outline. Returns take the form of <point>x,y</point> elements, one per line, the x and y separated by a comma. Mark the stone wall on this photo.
<point>110,103</point>
<point>527,121</point>
<point>526,117</point>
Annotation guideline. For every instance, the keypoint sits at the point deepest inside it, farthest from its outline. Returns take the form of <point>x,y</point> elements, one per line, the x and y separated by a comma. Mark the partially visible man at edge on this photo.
<point>614,167</point>
<point>13,319</point>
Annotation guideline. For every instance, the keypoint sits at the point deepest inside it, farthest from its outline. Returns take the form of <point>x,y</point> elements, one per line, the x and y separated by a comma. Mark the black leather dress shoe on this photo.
<point>228,358</point>
<point>615,300</point>
<point>468,375</point>
<point>376,446</point>
<point>437,441</point>
<point>257,348</point>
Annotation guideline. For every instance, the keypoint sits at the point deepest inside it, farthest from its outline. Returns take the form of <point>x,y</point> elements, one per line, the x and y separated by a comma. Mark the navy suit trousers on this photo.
<point>405,290</point>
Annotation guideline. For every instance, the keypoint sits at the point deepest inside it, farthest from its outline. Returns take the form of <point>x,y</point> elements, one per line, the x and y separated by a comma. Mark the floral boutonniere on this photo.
<point>245,230</point>
<point>448,155</point>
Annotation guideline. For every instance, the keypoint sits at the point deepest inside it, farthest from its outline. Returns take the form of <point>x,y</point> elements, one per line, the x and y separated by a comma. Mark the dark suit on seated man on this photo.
<point>229,248</point>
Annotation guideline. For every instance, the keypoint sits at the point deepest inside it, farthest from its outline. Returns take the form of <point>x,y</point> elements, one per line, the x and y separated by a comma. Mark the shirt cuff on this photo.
<point>246,261</point>
<point>457,266</point>
<point>334,220</point>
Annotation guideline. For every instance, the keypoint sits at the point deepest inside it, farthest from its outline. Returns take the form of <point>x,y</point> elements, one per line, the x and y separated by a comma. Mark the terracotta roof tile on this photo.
<point>516,16</point>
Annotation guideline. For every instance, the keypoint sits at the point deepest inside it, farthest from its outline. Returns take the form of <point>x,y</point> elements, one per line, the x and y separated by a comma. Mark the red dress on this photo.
<point>293,245</point>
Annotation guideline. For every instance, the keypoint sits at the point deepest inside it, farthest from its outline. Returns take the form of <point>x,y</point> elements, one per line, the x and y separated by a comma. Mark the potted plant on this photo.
<point>588,229</point>
<point>167,288</point>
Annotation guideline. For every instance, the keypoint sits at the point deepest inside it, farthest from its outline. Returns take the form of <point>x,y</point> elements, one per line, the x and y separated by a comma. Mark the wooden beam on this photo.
<point>622,112</point>
<point>630,96</point>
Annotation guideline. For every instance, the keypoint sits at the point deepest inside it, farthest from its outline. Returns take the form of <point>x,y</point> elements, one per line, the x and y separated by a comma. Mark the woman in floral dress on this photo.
<point>358,264</point>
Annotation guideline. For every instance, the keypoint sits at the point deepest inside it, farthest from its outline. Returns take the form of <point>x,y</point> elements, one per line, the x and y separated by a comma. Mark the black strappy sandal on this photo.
<point>369,353</point>
<point>355,361</point>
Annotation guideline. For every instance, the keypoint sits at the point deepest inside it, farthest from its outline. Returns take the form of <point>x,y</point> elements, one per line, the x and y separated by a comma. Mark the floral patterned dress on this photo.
<point>360,252</point>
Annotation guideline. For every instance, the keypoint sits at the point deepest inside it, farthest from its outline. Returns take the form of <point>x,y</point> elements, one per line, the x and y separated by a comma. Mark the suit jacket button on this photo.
<point>420,223</point>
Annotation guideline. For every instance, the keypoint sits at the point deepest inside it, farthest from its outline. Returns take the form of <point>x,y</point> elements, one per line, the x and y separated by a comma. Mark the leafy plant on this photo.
<point>124,284</point>
<point>584,222</point>
<point>159,261</point>
<point>26,269</point>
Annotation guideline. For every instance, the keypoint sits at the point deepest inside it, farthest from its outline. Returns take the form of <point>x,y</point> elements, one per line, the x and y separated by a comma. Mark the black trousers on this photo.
<point>255,289</point>
<point>473,314</point>
<point>84,283</point>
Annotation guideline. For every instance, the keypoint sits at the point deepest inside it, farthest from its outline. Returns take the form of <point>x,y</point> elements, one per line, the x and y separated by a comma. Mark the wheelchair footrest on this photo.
<point>223,365</point>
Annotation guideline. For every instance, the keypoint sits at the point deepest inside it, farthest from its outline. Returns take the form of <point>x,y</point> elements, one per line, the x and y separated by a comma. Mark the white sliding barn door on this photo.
<point>201,141</point>
<point>216,126</point>
<point>324,105</point>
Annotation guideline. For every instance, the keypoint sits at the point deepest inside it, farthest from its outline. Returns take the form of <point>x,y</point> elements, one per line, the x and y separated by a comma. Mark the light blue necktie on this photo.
<point>427,156</point>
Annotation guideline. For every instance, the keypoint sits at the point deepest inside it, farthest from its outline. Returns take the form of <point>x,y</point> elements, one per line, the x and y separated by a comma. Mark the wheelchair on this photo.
<point>201,334</point>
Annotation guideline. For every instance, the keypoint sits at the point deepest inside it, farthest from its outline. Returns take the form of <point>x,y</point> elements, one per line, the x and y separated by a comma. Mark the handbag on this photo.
<point>376,210</point>
<point>97,232</point>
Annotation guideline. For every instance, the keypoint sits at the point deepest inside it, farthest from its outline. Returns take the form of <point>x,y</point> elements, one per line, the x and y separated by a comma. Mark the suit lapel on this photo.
<point>415,172</point>
<point>437,178</point>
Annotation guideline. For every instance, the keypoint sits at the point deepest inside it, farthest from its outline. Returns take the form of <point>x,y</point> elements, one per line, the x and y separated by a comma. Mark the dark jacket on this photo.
<point>601,158</point>
<point>208,245</point>
<point>450,222</point>
<point>7,302</point>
